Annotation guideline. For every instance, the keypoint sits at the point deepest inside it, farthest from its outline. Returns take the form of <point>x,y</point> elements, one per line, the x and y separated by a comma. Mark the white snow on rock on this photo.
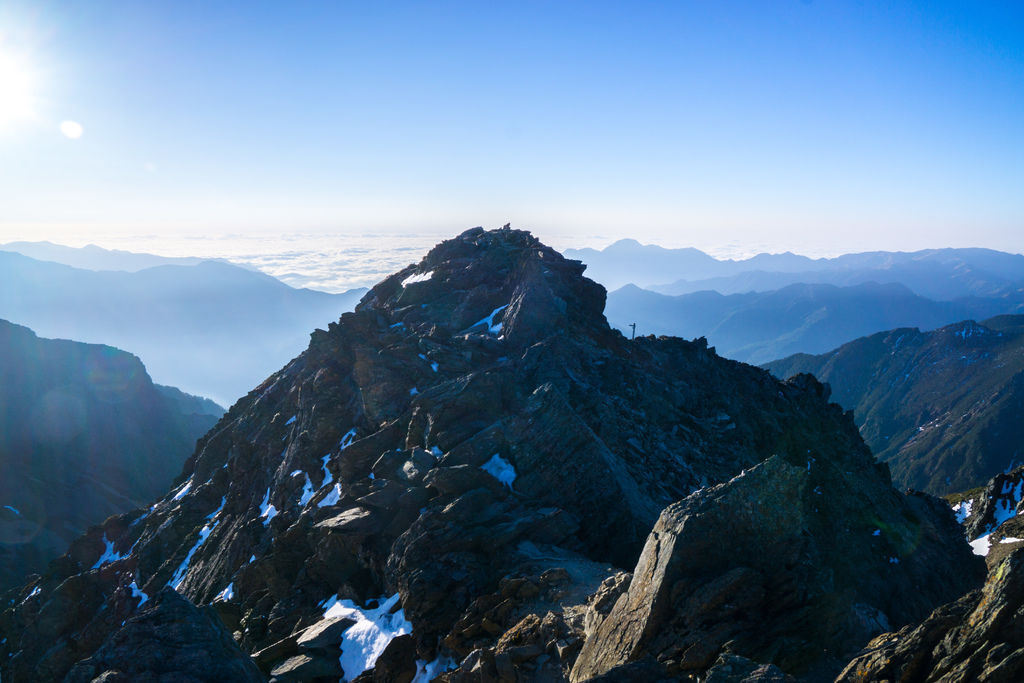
<point>307,492</point>
<point>223,502</point>
<point>1011,539</point>
<point>492,327</point>
<point>500,469</point>
<point>963,510</point>
<point>980,545</point>
<point>417,277</point>
<point>363,642</point>
<point>179,575</point>
<point>35,591</point>
<point>227,594</point>
<point>267,509</point>
<point>183,490</point>
<point>109,555</point>
<point>137,593</point>
<point>328,478</point>
<point>428,671</point>
<point>331,498</point>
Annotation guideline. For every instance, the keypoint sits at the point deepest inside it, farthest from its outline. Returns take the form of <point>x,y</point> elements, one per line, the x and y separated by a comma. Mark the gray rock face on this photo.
<point>976,638</point>
<point>750,563</point>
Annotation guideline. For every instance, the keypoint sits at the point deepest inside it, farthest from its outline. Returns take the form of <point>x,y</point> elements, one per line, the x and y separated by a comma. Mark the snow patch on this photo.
<point>428,671</point>
<point>1011,539</point>
<point>963,510</point>
<point>363,642</point>
<point>417,277</point>
<point>179,575</point>
<point>980,545</point>
<point>492,327</point>
<point>109,555</point>
<point>328,478</point>
<point>307,492</point>
<point>227,594</point>
<point>223,502</point>
<point>137,593</point>
<point>500,469</point>
<point>267,509</point>
<point>331,498</point>
<point>183,490</point>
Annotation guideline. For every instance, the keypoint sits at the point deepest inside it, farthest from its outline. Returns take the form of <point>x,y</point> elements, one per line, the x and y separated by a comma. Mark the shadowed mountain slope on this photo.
<point>84,434</point>
<point>942,408</point>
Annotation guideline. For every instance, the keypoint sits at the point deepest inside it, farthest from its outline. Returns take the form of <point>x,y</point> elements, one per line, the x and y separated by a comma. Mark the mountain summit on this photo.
<point>473,477</point>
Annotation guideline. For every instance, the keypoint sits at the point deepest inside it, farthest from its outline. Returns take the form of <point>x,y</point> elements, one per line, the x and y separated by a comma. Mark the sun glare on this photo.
<point>17,85</point>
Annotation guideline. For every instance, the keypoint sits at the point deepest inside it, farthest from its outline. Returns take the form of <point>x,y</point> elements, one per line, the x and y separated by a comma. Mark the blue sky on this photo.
<point>813,127</point>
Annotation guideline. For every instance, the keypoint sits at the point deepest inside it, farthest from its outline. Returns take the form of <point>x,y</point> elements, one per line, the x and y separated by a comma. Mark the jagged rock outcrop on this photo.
<point>463,467</point>
<point>990,516</point>
<point>975,638</point>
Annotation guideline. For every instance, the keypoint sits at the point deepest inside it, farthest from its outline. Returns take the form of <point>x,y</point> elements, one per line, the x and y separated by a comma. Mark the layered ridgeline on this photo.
<point>456,479</point>
<point>84,434</point>
<point>942,408</point>
<point>211,328</point>
<point>939,274</point>
<point>758,327</point>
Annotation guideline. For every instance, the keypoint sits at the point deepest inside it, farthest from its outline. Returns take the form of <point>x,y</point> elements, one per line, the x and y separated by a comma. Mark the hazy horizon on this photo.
<point>338,262</point>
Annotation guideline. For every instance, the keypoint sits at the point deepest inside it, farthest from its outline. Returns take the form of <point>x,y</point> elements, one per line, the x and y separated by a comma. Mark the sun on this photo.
<point>17,89</point>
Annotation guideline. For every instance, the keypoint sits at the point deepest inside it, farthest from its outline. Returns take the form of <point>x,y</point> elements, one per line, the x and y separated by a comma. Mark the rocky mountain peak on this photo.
<point>501,283</point>
<point>465,469</point>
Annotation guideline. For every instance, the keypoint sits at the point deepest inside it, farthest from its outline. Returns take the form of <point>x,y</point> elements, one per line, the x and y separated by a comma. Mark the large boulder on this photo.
<point>170,640</point>
<point>784,564</point>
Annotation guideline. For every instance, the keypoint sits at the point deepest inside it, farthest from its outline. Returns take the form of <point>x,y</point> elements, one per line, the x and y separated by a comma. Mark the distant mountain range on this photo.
<point>92,257</point>
<point>84,434</point>
<point>944,408</point>
<point>942,274</point>
<point>759,327</point>
<point>211,328</point>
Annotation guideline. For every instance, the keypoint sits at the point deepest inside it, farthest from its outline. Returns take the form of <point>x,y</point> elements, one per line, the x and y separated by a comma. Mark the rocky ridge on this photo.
<point>454,481</point>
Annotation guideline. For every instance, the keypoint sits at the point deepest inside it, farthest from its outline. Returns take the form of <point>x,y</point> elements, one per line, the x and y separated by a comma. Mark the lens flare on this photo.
<point>17,89</point>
